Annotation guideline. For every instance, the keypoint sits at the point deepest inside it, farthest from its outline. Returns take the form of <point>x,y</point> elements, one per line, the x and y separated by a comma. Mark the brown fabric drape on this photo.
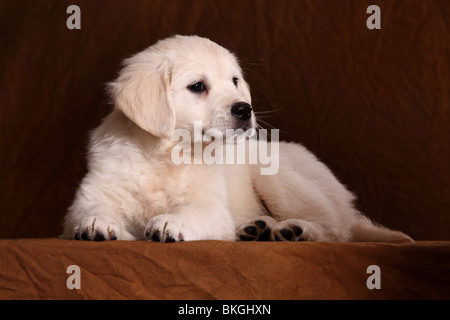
<point>37,269</point>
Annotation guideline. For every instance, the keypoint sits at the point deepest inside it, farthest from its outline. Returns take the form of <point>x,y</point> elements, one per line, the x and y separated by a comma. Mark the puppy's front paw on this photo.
<point>96,228</point>
<point>166,228</point>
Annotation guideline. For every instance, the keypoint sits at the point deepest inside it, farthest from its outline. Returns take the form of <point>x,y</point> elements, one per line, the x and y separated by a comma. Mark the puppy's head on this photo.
<point>179,81</point>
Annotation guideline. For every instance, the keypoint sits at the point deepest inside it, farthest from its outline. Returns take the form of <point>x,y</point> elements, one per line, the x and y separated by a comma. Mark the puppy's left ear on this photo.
<point>142,93</point>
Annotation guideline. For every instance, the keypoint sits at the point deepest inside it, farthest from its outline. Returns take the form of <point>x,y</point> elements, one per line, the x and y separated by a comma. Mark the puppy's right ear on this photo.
<point>142,93</point>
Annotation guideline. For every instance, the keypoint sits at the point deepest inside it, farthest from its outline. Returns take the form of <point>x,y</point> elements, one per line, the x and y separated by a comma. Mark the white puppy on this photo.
<point>135,191</point>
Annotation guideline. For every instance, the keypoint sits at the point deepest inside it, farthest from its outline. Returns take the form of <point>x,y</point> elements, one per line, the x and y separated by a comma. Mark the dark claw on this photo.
<point>113,238</point>
<point>99,237</point>
<point>156,236</point>
<point>85,235</point>
<point>77,236</point>
<point>169,239</point>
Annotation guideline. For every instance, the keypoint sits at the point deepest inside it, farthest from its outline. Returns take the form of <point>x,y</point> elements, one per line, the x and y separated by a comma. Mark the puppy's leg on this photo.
<point>191,222</point>
<point>97,223</point>
<point>365,230</point>
<point>306,194</point>
<point>204,213</point>
<point>312,204</point>
<point>93,217</point>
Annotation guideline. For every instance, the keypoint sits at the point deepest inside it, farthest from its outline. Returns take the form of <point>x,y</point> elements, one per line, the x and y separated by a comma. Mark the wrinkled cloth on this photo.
<point>37,269</point>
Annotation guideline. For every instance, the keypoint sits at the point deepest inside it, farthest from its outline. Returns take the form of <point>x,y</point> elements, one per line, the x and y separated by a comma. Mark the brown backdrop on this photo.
<point>372,104</point>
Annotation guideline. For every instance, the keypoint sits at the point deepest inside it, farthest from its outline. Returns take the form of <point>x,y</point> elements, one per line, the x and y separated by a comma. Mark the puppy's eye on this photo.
<point>197,87</point>
<point>235,81</point>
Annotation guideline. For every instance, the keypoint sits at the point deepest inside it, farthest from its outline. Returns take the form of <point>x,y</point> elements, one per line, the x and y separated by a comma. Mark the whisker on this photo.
<point>247,65</point>
<point>259,121</point>
<point>266,123</point>
<point>266,111</point>
<point>249,61</point>
<point>268,132</point>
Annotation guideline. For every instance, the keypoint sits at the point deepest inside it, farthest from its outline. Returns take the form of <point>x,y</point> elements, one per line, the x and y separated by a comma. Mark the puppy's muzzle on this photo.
<point>241,111</point>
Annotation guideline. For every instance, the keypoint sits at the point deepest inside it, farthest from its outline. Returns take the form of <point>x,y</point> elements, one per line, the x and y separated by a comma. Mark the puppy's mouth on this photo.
<point>235,131</point>
<point>231,127</point>
<point>244,127</point>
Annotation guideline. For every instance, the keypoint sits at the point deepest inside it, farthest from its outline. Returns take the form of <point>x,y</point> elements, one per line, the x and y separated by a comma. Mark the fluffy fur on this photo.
<point>133,190</point>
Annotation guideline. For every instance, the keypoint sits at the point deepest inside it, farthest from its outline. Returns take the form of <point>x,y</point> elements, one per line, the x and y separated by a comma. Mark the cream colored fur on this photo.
<point>133,191</point>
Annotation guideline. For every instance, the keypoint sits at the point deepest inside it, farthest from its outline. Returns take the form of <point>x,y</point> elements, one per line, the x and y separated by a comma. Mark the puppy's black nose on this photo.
<point>241,111</point>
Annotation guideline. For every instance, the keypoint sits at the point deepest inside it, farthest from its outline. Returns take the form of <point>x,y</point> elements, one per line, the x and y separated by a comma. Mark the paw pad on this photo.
<point>289,233</point>
<point>254,231</point>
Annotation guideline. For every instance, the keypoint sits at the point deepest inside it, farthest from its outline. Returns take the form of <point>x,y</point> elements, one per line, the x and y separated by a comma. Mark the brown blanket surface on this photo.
<point>37,269</point>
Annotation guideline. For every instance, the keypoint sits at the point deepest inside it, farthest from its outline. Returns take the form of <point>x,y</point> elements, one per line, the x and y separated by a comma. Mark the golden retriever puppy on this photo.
<point>166,164</point>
